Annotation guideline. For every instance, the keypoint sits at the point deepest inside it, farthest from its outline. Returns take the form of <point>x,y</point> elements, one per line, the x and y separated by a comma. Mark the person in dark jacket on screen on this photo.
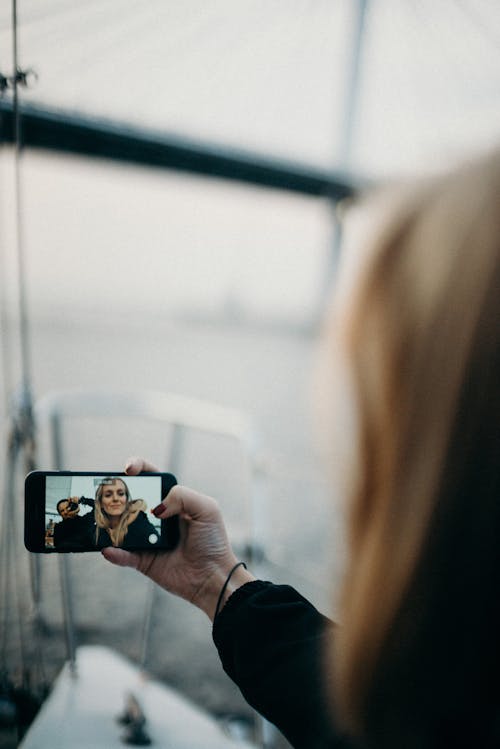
<point>75,531</point>
<point>413,353</point>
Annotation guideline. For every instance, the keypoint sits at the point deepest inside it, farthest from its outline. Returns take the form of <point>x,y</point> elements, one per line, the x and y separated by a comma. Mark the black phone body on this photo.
<point>70,511</point>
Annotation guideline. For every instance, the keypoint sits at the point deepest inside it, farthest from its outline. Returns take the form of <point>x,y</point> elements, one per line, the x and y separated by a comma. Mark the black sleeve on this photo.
<point>139,532</point>
<point>57,534</point>
<point>271,642</point>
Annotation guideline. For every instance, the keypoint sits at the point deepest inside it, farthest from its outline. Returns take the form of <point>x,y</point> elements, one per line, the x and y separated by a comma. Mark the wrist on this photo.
<point>208,597</point>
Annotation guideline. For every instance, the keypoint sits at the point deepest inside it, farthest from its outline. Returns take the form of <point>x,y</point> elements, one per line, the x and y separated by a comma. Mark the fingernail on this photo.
<point>158,509</point>
<point>128,467</point>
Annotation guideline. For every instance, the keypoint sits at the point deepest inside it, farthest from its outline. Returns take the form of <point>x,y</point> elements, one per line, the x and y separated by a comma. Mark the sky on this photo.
<point>268,76</point>
<point>272,75</point>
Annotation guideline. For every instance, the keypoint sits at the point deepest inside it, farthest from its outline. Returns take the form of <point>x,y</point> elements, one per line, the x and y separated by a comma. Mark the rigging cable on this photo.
<point>19,76</point>
<point>20,443</point>
<point>26,428</point>
<point>8,586</point>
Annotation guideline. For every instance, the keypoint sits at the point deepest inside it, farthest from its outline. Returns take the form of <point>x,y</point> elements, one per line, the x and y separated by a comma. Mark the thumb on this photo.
<point>120,557</point>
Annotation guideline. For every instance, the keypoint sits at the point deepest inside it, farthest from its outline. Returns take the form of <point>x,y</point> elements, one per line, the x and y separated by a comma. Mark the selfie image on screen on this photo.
<point>90,512</point>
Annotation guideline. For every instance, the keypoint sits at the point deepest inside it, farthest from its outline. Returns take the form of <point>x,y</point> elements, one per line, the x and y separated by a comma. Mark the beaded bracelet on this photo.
<point>224,587</point>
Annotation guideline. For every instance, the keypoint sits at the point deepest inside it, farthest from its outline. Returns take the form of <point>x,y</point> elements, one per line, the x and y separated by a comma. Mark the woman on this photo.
<point>120,520</point>
<point>416,659</point>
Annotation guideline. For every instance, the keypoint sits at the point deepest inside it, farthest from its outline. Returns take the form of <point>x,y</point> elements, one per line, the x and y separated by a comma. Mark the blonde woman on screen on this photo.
<point>121,520</point>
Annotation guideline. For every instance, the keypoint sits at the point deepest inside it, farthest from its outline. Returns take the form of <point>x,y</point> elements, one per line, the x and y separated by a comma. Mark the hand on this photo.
<point>71,509</point>
<point>197,569</point>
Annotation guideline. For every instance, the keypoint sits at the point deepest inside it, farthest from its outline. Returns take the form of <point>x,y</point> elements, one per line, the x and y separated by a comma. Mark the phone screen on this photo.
<point>87,512</point>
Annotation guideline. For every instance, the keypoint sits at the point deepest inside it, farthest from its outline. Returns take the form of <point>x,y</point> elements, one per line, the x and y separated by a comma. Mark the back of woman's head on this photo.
<point>417,658</point>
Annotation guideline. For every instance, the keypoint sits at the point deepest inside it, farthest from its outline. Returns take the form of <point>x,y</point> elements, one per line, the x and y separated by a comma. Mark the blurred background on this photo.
<point>176,205</point>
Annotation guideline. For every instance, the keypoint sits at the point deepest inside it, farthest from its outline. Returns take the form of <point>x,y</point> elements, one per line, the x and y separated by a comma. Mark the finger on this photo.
<point>186,502</point>
<point>135,465</point>
<point>120,557</point>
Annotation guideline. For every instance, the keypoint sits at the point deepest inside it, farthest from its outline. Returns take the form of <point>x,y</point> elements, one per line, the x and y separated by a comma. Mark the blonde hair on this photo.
<point>132,508</point>
<point>416,658</point>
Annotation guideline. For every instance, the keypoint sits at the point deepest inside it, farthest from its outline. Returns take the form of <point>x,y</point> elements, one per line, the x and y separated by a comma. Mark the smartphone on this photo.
<point>67,511</point>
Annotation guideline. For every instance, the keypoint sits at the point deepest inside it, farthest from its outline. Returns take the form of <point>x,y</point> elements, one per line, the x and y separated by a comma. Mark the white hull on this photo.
<point>81,711</point>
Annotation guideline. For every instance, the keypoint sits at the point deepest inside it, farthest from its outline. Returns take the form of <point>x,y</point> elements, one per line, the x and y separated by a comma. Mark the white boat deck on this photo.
<point>81,712</point>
